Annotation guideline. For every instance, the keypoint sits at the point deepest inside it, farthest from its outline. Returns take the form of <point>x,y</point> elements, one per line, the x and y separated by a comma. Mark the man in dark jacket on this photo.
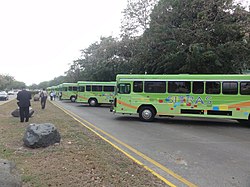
<point>24,98</point>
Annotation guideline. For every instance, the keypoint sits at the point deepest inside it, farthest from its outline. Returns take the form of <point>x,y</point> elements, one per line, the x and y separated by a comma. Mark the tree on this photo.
<point>8,82</point>
<point>74,72</point>
<point>5,81</point>
<point>136,17</point>
<point>101,61</point>
<point>197,36</point>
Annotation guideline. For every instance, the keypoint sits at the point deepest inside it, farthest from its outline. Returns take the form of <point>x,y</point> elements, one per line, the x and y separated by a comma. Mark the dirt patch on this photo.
<point>81,159</point>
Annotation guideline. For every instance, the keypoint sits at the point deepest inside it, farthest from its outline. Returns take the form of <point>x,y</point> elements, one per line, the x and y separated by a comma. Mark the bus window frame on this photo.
<point>246,82</point>
<point>177,88</point>
<point>142,86</point>
<point>228,93</point>
<point>206,91</point>
<point>203,87</point>
<point>108,90</point>
<point>125,84</point>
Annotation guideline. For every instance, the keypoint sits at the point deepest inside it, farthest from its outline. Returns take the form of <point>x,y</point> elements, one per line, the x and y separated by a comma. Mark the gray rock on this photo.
<point>36,97</point>
<point>9,177</point>
<point>41,135</point>
<point>15,113</point>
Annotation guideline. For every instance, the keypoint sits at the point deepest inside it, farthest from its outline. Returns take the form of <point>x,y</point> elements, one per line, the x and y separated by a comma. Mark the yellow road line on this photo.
<point>170,172</point>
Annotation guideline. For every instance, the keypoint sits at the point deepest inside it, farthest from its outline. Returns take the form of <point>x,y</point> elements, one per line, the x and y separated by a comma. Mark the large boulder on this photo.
<point>9,177</point>
<point>16,113</point>
<point>41,135</point>
<point>36,97</point>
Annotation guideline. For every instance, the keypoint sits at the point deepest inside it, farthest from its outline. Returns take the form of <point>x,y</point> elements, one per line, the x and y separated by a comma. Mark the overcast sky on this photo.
<point>40,38</point>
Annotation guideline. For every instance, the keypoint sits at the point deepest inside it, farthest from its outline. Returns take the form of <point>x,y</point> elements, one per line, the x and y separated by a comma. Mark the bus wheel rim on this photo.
<point>92,102</point>
<point>146,114</point>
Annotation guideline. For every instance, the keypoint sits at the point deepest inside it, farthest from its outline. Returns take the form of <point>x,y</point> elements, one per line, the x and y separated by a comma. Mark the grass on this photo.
<point>81,159</point>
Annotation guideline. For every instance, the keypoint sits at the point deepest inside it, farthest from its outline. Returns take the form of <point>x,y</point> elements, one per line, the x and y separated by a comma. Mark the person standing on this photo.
<point>54,95</point>
<point>51,96</point>
<point>43,96</point>
<point>24,98</point>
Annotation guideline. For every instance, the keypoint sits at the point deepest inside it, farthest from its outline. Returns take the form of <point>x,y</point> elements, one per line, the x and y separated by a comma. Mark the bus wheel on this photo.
<point>93,102</point>
<point>73,99</point>
<point>147,113</point>
<point>245,121</point>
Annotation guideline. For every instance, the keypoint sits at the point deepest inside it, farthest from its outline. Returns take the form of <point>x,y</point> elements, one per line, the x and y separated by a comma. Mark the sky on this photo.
<point>39,39</point>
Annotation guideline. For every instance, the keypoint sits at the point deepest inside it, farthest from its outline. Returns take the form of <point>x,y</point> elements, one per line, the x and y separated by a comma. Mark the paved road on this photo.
<point>203,153</point>
<point>11,97</point>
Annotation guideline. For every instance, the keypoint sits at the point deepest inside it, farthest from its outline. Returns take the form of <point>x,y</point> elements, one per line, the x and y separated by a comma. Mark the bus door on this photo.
<point>123,98</point>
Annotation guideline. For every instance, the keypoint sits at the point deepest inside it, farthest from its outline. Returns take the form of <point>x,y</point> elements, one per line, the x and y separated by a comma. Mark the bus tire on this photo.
<point>73,99</point>
<point>93,102</point>
<point>147,113</point>
<point>244,121</point>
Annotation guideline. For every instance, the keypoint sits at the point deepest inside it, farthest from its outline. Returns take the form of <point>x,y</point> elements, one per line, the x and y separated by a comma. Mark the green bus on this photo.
<point>95,93</point>
<point>52,89</point>
<point>48,89</point>
<point>68,91</point>
<point>211,96</point>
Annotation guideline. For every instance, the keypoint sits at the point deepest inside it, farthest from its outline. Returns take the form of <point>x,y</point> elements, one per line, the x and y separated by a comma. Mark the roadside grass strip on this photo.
<point>83,122</point>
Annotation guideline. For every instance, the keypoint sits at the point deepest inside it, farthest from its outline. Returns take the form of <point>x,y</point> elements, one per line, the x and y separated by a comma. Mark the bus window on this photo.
<point>70,88</point>
<point>88,88</point>
<point>64,89</point>
<point>74,88</point>
<point>155,87</point>
<point>138,86</point>
<point>108,88</point>
<point>245,88</point>
<point>213,87</point>
<point>81,89</point>
<point>179,87</point>
<point>124,88</point>
<point>96,88</point>
<point>198,87</point>
<point>230,88</point>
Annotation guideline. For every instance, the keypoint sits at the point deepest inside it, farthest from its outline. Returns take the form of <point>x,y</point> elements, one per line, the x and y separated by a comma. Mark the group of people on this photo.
<point>24,97</point>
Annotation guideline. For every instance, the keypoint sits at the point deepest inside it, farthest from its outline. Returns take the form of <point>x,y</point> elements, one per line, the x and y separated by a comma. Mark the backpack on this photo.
<point>42,94</point>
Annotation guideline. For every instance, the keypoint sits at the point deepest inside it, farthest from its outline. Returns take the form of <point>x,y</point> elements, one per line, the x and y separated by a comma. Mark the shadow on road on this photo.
<point>87,106</point>
<point>185,121</point>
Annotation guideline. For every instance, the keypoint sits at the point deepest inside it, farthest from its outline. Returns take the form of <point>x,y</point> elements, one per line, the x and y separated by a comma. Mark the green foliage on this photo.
<point>136,17</point>
<point>8,83</point>
<point>197,37</point>
<point>101,61</point>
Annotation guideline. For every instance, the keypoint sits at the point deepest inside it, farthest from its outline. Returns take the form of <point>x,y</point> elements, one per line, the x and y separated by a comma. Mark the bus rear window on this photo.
<point>245,88</point>
<point>137,86</point>
<point>179,87</point>
<point>124,88</point>
<point>230,88</point>
<point>108,88</point>
<point>213,87</point>
<point>155,87</point>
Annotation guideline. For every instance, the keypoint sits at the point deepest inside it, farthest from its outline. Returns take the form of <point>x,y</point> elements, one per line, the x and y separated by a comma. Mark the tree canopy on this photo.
<point>8,82</point>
